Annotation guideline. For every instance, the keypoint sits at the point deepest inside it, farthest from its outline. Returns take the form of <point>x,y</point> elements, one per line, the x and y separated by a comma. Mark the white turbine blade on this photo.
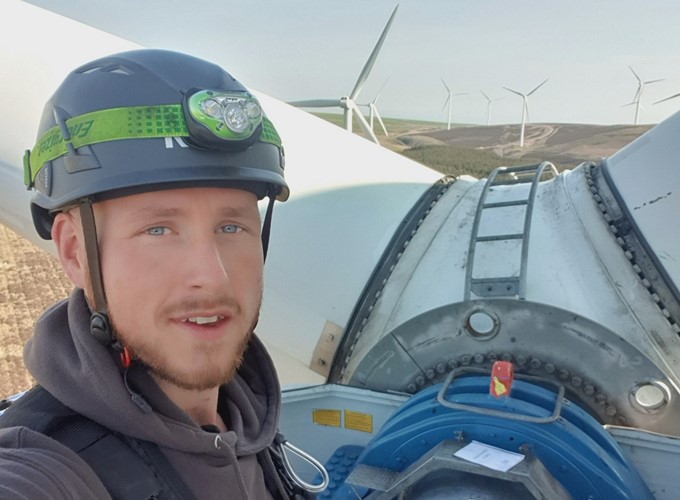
<point>668,98</point>
<point>653,81</point>
<point>446,102</point>
<point>381,89</point>
<point>377,115</point>
<point>487,97</point>
<point>636,75</point>
<point>538,87</point>
<point>515,92</point>
<point>447,87</point>
<point>352,108</point>
<point>317,103</point>
<point>371,60</point>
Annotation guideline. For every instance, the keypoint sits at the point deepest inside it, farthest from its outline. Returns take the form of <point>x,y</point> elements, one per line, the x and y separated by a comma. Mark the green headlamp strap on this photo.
<point>105,125</point>
<point>137,122</point>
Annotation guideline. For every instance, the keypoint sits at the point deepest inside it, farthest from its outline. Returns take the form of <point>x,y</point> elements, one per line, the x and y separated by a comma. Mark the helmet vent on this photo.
<point>120,71</point>
<point>91,70</point>
<point>108,69</point>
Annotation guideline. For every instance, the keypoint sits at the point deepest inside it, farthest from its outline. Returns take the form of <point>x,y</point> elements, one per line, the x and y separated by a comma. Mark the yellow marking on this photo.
<point>331,418</point>
<point>499,387</point>
<point>358,421</point>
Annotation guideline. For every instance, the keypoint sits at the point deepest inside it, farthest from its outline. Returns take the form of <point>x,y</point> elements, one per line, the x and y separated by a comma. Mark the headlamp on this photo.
<point>207,119</point>
<point>222,119</point>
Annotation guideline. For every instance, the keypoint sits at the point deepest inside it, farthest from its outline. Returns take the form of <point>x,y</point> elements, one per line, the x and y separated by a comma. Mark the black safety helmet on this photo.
<point>147,120</point>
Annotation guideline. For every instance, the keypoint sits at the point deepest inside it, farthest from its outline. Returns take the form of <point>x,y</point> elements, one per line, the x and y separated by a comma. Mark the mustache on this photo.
<point>189,305</point>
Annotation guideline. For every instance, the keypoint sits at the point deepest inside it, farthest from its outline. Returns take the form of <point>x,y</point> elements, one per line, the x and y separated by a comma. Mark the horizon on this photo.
<point>308,49</point>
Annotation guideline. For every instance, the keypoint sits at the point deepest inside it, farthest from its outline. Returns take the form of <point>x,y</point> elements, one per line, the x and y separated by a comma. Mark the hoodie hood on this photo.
<point>75,368</point>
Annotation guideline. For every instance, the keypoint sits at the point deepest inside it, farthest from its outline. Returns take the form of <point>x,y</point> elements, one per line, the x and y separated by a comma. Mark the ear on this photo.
<point>67,236</point>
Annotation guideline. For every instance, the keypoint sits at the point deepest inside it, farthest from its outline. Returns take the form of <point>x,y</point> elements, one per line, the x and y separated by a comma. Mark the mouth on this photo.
<point>204,320</point>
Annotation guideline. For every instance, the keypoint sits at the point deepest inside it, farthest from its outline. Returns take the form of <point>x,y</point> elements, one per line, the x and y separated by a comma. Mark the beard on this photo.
<point>211,374</point>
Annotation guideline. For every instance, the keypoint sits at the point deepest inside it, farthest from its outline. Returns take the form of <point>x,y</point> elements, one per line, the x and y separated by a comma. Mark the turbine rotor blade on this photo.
<point>653,81</point>
<point>447,87</point>
<point>371,60</point>
<point>636,75</point>
<point>352,107</point>
<point>515,92</point>
<point>377,115</point>
<point>487,97</point>
<point>668,98</point>
<point>381,89</point>
<point>538,87</point>
<point>317,103</point>
<point>446,102</point>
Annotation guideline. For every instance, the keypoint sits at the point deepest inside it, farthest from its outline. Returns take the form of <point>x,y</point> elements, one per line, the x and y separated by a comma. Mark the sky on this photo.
<point>308,49</point>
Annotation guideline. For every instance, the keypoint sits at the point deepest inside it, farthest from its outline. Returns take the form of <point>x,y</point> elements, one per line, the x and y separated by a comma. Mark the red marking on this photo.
<point>125,357</point>
<point>502,376</point>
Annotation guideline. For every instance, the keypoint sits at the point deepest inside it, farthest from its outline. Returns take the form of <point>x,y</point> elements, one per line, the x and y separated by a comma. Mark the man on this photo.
<point>148,170</point>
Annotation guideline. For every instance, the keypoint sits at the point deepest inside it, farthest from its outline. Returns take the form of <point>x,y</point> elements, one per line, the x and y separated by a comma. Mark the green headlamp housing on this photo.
<point>207,119</point>
<point>215,117</point>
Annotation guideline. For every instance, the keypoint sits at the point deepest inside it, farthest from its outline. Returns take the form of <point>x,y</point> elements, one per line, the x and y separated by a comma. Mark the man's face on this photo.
<point>182,273</point>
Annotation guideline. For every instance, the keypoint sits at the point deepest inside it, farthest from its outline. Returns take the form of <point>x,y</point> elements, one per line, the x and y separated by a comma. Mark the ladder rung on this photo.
<point>500,237</point>
<point>498,204</point>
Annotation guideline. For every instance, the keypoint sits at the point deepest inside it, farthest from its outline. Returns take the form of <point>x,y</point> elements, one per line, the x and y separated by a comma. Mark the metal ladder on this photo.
<point>505,286</point>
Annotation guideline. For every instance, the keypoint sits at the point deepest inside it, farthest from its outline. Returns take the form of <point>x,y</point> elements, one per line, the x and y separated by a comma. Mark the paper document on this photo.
<point>489,456</point>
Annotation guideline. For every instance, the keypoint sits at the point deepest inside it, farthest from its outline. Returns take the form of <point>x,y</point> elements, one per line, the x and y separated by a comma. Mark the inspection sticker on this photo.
<point>489,456</point>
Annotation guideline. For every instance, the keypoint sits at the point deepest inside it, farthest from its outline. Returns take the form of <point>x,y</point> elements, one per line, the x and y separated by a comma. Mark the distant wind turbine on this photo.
<point>488,108</point>
<point>638,94</point>
<point>348,103</point>
<point>373,109</point>
<point>449,100</point>
<point>525,109</point>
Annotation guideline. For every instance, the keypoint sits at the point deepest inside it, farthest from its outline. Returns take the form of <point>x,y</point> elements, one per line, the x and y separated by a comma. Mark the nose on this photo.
<point>207,269</point>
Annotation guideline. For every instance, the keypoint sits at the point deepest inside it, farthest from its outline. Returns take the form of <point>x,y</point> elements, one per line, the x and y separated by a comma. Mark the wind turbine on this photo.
<point>488,109</point>
<point>373,109</point>
<point>638,94</point>
<point>525,109</point>
<point>348,103</point>
<point>449,100</point>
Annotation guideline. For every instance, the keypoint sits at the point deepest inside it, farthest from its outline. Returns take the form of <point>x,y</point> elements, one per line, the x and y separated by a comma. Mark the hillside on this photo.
<point>476,150</point>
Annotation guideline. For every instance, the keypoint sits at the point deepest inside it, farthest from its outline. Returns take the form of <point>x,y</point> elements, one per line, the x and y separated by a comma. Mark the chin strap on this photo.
<point>267,225</point>
<point>100,326</point>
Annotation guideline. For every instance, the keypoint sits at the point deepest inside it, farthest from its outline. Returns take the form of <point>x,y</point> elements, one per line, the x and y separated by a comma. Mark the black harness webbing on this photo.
<point>129,468</point>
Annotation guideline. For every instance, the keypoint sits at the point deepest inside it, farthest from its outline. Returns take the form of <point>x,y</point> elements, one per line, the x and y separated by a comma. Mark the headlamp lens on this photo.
<point>236,117</point>
<point>212,107</point>
<point>229,116</point>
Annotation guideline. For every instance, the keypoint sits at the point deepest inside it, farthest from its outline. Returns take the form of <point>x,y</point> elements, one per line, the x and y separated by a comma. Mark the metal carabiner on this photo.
<point>313,488</point>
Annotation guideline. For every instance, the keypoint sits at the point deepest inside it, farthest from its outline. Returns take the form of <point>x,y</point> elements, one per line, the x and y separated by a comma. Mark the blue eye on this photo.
<point>157,231</point>
<point>230,228</point>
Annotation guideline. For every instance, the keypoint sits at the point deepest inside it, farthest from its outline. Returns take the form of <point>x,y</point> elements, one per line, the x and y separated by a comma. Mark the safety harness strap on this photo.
<point>130,469</point>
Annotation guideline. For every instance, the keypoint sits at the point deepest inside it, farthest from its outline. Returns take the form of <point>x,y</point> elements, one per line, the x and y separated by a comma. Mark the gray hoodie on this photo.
<point>76,369</point>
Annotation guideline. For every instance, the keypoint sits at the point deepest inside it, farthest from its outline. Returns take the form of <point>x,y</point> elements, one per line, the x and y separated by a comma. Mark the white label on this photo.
<point>489,456</point>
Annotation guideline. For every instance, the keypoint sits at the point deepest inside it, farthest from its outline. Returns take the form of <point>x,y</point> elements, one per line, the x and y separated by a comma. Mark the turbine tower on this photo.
<point>348,103</point>
<point>638,94</point>
<point>525,109</point>
<point>449,100</point>
<point>488,108</point>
